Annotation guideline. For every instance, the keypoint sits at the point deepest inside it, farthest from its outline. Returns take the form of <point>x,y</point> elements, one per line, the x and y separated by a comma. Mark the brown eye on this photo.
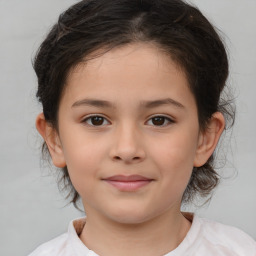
<point>160,121</point>
<point>96,121</point>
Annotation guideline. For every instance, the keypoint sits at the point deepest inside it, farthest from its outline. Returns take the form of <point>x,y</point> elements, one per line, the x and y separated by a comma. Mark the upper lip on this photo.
<point>126,178</point>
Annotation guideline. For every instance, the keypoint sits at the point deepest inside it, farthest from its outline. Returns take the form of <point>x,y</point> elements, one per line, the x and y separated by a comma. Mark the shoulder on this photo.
<point>65,244</point>
<point>228,237</point>
<point>52,248</point>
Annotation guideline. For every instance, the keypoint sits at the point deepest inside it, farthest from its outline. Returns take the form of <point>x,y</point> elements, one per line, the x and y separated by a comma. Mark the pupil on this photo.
<point>158,120</point>
<point>97,120</point>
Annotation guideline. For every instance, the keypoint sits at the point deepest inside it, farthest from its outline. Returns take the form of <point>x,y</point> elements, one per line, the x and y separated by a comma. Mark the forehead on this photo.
<point>145,56</point>
<point>141,71</point>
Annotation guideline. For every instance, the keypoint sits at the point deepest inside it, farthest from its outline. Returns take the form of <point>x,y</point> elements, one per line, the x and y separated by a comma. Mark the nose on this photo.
<point>127,145</point>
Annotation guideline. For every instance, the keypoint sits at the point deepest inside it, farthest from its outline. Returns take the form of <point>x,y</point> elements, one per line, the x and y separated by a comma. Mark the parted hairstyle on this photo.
<point>174,26</point>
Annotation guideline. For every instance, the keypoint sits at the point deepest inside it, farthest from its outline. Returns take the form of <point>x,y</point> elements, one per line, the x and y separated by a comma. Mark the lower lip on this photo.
<point>128,185</point>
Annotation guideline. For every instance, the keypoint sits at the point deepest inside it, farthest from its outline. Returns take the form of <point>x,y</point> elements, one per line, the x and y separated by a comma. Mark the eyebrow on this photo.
<point>160,102</point>
<point>94,103</point>
<point>144,104</point>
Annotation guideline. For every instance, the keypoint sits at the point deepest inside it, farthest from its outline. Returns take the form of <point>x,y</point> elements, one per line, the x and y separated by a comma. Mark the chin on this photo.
<point>130,216</point>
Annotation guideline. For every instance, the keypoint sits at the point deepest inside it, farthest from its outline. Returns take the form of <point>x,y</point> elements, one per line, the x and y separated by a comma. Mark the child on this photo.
<point>132,114</point>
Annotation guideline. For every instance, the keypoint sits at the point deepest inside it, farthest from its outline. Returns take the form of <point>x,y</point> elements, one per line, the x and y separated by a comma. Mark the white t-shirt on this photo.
<point>205,238</point>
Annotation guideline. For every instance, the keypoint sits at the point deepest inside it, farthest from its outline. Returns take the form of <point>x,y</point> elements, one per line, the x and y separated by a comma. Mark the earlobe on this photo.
<point>209,138</point>
<point>52,140</point>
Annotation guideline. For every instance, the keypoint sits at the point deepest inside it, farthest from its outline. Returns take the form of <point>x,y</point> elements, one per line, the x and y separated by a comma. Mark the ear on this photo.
<point>209,138</point>
<point>52,140</point>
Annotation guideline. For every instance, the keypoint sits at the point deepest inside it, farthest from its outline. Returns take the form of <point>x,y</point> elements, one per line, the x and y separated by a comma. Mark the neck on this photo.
<point>155,237</point>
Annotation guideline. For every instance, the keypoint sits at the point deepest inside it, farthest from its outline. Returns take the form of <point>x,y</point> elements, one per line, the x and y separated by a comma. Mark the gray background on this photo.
<point>31,209</point>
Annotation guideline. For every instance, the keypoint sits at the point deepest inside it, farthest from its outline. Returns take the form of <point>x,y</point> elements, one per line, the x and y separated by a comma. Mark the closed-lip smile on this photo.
<point>128,183</point>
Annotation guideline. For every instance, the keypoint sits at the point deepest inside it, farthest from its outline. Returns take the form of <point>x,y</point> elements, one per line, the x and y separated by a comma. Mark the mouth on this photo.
<point>128,183</point>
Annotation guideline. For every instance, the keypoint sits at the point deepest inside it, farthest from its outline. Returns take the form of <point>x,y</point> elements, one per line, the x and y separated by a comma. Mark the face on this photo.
<point>129,133</point>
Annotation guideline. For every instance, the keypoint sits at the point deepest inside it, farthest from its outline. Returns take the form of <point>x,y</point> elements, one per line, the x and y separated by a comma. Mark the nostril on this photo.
<point>132,159</point>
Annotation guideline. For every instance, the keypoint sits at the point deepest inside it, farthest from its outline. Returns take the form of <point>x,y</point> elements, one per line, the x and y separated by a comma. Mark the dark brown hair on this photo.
<point>174,26</point>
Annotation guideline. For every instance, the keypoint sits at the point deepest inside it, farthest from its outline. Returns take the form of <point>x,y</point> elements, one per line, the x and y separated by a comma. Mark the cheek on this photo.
<point>174,158</point>
<point>176,150</point>
<point>82,159</point>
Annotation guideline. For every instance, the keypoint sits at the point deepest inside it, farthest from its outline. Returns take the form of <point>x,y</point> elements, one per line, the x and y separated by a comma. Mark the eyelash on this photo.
<point>167,120</point>
<point>90,118</point>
